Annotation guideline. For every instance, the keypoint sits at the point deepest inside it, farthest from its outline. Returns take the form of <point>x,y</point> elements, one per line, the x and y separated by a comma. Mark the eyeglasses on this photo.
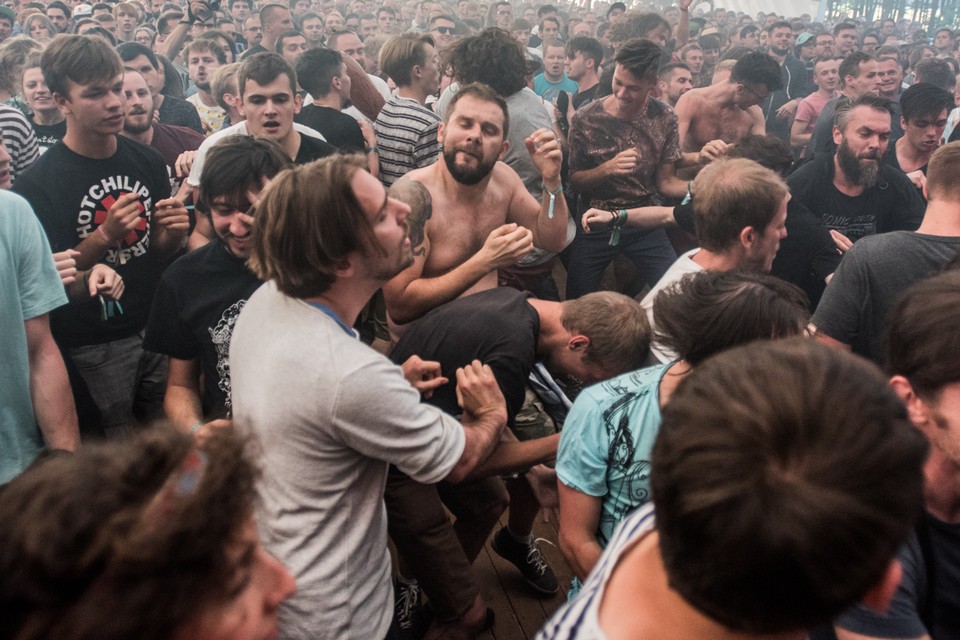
<point>505,12</point>
<point>443,30</point>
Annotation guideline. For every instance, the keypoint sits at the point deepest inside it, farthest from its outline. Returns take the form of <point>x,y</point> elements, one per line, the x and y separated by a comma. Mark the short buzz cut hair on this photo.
<point>316,70</point>
<point>793,504</point>
<point>400,54</point>
<point>307,221</point>
<point>666,71</point>
<point>942,171</point>
<point>616,325</point>
<point>268,11</point>
<point>731,195</point>
<point>78,59</point>
<point>640,56</point>
<point>922,342</point>
<point>481,92</point>
<point>263,68</point>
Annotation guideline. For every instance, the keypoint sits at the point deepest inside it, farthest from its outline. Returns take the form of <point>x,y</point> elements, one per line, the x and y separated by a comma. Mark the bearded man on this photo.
<point>139,124</point>
<point>483,219</point>
<point>852,192</point>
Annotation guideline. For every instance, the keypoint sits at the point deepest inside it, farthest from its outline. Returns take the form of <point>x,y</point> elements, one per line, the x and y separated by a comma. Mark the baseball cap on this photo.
<point>803,38</point>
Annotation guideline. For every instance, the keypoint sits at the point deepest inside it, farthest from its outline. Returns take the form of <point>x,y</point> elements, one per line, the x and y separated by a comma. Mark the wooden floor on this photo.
<point>519,611</point>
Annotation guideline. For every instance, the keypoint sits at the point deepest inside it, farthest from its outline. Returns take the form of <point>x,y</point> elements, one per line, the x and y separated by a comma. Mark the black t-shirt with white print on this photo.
<point>71,195</point>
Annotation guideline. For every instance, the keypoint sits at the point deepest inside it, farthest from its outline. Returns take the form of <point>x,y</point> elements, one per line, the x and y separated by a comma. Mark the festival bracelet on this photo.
<point>553,197</point>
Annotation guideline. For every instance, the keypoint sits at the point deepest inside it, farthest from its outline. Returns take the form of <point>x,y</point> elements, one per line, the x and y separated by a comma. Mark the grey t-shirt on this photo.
<point>856,304</point>
<point>328,414</point>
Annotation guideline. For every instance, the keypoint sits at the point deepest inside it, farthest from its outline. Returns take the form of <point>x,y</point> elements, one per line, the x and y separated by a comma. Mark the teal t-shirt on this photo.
<point>30,287</point>
<point>549,90</point>
<point>606,443</point>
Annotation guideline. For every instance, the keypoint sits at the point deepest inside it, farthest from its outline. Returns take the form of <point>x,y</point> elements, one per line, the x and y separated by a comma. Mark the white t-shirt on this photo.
<point>328,414</point>
<point>683,265</point>
<point>239,129</point>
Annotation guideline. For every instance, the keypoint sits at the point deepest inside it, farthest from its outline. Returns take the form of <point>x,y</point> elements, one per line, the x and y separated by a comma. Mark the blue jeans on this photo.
<point>126,383</point>
<point>591,253</point>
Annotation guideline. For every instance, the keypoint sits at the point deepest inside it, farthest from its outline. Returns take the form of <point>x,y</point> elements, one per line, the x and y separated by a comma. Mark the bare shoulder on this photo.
<point>423,175</point>
<point>690,100</point>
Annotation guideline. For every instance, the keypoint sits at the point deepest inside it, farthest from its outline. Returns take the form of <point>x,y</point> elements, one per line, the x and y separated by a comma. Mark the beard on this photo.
<point>203,86</point>
<point>464,175</point>
<point>863,174</point>
<point>137,129</point>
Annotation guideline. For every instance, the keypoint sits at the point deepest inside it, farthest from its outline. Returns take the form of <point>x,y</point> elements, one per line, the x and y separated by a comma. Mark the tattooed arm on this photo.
<point>417,197</point>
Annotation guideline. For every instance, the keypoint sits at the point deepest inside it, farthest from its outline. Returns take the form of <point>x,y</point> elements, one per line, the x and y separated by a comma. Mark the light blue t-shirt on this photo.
<point>29,287</point>
<point>606,443</point>
<point>549,90</point>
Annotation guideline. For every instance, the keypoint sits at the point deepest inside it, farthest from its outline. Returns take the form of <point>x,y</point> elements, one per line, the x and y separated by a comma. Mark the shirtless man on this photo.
<point>712,117</point>
<point>483,217</point>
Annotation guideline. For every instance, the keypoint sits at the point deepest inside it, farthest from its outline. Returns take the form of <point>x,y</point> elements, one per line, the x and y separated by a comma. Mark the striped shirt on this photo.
<point>579,618</point>
<point>19,139</point>
<point>406,138</point>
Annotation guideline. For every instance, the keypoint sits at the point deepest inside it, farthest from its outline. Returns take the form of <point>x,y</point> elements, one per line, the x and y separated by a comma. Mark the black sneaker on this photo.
<point>408,610</point>
<point>529,560</point>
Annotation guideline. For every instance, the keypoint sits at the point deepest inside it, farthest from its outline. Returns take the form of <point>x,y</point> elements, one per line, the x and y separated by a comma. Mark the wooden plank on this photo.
<point>505,626</point>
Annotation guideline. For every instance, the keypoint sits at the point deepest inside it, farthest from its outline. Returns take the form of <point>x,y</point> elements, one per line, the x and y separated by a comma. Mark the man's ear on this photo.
<point>62,103</point>
<point>503,149</point>
<point>748,237</point>
<point>837,136</point>
<point>441,128</point>
<point>578,342</point>
<point>917,409</point>
<point>881,594</point>
<point>297,103</point>
<point>345,267</point>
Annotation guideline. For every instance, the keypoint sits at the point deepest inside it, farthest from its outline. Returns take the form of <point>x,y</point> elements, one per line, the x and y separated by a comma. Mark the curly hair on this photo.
<point>492,57</point>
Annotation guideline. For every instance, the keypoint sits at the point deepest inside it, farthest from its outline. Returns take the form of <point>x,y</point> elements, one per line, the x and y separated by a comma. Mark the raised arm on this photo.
<point>547,219</point>
<point>363,94</point>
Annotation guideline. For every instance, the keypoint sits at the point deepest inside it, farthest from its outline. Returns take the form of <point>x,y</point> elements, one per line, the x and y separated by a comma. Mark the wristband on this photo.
<point>196,426</point>
<point>621,219</point>
<point>553,197</point>
<point>373,150</point>
<point>106,238</point>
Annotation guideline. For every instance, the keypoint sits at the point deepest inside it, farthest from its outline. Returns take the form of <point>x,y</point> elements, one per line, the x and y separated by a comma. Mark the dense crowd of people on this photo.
<point>300,297</point>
